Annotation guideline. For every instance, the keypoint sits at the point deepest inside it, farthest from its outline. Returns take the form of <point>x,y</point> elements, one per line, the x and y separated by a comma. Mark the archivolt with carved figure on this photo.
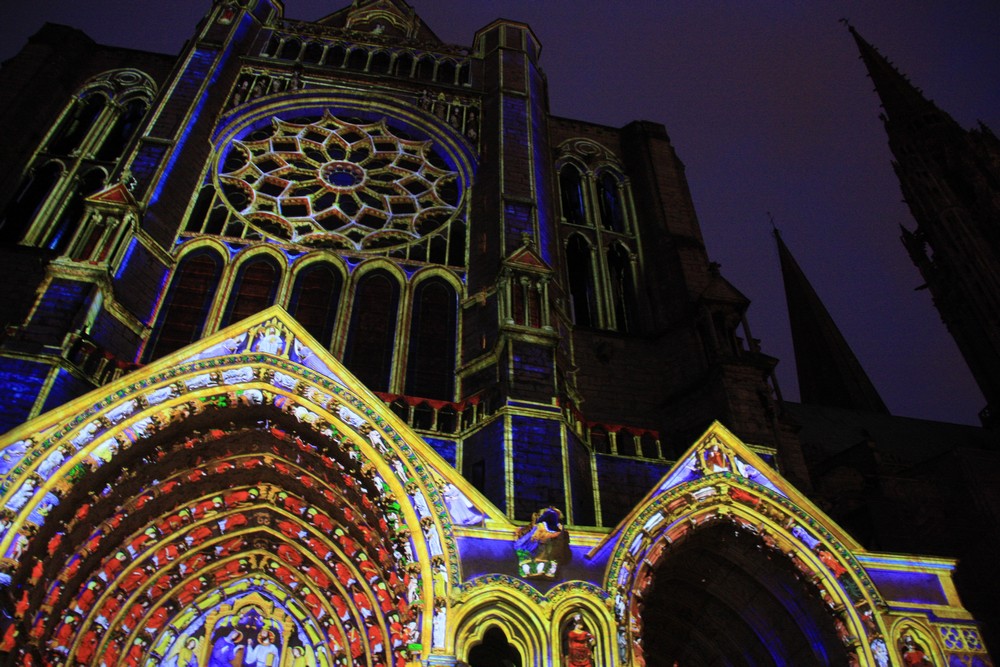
<point>145,544</point>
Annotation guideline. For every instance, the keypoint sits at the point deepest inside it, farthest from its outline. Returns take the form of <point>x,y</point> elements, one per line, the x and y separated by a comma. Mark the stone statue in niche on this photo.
<point>912,653</point>
<point>543,545</point>
<point>579,645</point>
<point>715,460</point>
<point>881,652</point>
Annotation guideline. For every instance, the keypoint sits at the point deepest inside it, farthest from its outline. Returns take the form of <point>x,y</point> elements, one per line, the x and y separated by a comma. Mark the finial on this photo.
<point>771,220</point>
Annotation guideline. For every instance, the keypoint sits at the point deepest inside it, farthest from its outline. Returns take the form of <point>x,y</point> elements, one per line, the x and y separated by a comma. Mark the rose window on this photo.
<point>330,182</point>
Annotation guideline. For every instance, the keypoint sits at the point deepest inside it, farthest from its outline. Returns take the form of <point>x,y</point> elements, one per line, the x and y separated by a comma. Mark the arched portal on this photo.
<point>236,496</point>
<point>142,561</point>
<point>726,564</point>
<point>720,597</point>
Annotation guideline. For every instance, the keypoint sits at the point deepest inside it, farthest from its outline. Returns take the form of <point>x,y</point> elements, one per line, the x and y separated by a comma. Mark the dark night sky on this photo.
<point>770,109</point>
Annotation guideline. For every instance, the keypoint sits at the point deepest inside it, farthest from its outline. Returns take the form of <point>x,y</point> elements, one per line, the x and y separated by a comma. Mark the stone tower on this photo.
<point>950,179</point>
<point>530,292</point>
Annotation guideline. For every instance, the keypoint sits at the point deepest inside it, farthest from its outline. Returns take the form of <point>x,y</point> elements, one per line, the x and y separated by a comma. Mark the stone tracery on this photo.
<point>339,183</point>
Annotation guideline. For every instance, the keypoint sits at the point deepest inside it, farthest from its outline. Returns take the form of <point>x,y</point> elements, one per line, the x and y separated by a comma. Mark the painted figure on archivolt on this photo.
<point>543,545</point>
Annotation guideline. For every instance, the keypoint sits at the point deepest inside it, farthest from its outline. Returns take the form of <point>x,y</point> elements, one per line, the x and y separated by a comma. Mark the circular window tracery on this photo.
<point>339,183</point>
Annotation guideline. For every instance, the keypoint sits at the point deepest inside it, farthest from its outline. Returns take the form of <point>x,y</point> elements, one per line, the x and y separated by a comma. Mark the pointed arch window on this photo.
<point>610,200</point>
<point>372,334</point>
<point>583,295</point>
<point>22,209</point>
<point>61,234</point>
<point>571,195</point>
<point>77,124</point>
<point>253,290</point>
<point>403,65</point>
<point>358,59</point>
<point>381,62</point>
<point>98,123</point>
<point>315,299</point>
<point>430,369</point>
<point>313,53</point>
<point>290,50</point>
<point>446,72</point>
<point>121,132</point>
<point>187,302</point>
<point>622,288</point>
<point>425,69</point>
<point>272,48</point>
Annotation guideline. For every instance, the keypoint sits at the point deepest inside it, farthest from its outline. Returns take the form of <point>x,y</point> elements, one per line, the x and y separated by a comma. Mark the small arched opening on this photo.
<point>494,651</point>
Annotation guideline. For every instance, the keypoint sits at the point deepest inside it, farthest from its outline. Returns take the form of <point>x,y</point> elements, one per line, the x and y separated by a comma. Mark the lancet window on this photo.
<point>76,159</point>
<point>187,303</point>
<point>601,249</point>
<point>621,284</point>
<point>571,195</point>
<point>609,197</point>
<point>315,299</point>
<point>430,371</point>
<point>253,290</point>
<point>56,237</point>
<point>371,339</point>
<point>580,265</point>
<point>77,123</point>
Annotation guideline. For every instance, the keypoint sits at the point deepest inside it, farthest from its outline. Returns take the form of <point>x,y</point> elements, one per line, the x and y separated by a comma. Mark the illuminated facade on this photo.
<point>338,349</point>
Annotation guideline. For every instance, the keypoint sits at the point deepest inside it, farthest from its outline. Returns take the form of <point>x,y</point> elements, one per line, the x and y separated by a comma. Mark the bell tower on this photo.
<point>950,178</point>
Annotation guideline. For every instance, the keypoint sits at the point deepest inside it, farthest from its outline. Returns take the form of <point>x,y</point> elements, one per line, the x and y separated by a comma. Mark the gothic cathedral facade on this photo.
<point>333,347</point>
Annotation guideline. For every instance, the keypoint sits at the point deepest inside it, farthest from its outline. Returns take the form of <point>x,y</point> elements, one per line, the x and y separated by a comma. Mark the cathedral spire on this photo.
<point>828,372</point>
<point>949,178</point>
<point>902,102</point>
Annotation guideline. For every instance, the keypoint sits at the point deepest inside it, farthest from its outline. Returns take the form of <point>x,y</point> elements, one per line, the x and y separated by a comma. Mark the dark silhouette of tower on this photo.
<point>828,372</point>
<point>950,179</point>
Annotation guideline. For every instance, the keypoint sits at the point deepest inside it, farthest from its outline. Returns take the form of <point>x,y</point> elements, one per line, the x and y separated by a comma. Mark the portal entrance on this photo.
<point>721,597</point>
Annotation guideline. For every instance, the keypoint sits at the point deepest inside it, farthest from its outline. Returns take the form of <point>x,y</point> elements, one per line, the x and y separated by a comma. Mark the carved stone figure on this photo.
<point>543,545</point>
<point>579,645</point>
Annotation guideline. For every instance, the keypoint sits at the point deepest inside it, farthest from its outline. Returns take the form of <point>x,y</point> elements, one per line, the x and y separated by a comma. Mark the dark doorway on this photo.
<point>494,651</point>
<point>721,597</point>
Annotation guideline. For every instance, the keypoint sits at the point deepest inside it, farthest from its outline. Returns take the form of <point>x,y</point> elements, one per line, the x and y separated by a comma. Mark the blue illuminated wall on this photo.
<point>144,275</point>
<point>446,448</point>
<point>65,387</point>
<point>22,382</point>
<point>538,470</point>
<point>623,482</point>
<point>483,462</point>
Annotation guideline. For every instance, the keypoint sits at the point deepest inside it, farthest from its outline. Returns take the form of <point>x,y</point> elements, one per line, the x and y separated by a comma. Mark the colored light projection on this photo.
<point>542,545</point>
<point>717,485</point>
<point>337,183</point>
<point>253,503</point>
<point>247,500</point>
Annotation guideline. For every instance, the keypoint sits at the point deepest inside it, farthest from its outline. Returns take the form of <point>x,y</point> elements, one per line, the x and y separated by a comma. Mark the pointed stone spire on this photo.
<point>902,102</point>
<point>949,178</point>
<point>828,372</point>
